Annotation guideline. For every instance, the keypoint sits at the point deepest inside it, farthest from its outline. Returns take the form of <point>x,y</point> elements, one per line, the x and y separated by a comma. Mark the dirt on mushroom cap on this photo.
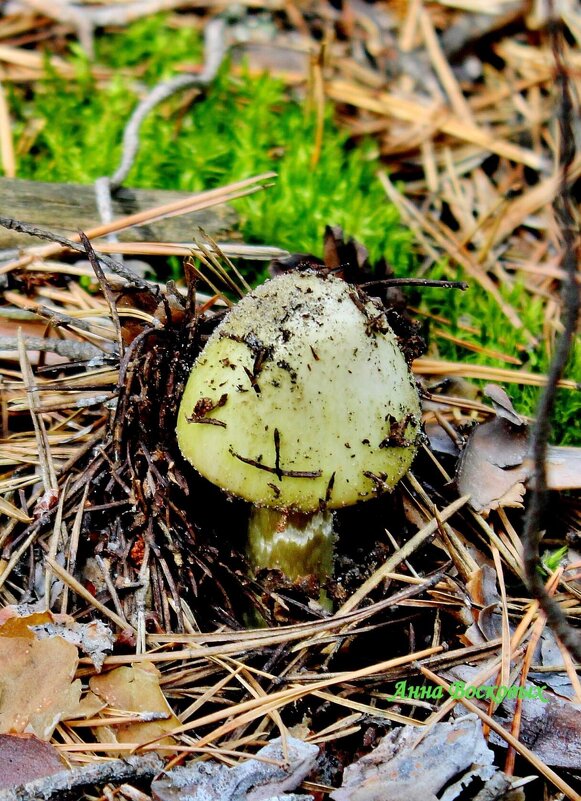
<point>302,398</point>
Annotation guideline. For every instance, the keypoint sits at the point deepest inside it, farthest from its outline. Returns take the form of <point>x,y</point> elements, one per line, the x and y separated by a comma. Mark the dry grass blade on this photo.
<point>250,710</point>
<point>102,513</point>
<point>231,644</point>
<point>10,510</point>
<point>227,249</point>
<point>451,246</point>
<point>47,470</point>
<point>433,116</point>
<point>78,588</point>
<point>425,366</point>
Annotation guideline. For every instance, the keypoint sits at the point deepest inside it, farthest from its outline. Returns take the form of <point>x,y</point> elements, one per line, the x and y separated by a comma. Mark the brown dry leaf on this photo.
<point>485,606</point>
<point>135,689</point>
<point>491,469</point>
<point>15,621</point>
<point>482,586</point>
<point>37,689</point>
<point>36,678</point>
<point>94,639</point>
<point>89,707</point>
<point>24,758</point>
<point>450,755</point>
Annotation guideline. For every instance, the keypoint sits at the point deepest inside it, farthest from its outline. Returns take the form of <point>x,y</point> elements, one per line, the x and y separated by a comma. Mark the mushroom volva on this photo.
<point>301,402</point>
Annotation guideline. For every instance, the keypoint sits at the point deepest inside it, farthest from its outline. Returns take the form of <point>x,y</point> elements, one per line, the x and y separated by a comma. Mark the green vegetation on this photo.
<point>239,127</point>
<point>477,319</point>
<point>551,560</point>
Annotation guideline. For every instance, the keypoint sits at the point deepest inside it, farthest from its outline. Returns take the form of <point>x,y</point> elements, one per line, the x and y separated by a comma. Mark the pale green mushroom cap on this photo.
<point>301,399</point>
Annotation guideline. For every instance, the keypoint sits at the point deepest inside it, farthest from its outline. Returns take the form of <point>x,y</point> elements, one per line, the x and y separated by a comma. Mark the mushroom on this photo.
<point>301,402</point>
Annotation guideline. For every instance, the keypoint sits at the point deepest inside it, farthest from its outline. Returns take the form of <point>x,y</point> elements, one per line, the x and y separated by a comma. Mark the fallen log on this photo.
<point>68,208</point>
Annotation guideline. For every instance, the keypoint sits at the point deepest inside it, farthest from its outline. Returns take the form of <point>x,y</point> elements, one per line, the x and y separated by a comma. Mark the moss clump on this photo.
<point>238,127</point>
<point>476,310</point>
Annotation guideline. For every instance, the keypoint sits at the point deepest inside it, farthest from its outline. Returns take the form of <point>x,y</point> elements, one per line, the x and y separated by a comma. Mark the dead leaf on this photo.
<point>36,677</point>
<point>449,755</point>
<point>485,606</point>
<point>253,780</point>
<point>502,404</point>
<point>94,639</point>
<point>24,758</point>
<point>440,441</point>
<point>89,707</point>
<point>36,684</point>
<point>15,621</point>
<point>495,465</point>
<point>135,689</point>
<point>482,586</point>
<point>491,468</point>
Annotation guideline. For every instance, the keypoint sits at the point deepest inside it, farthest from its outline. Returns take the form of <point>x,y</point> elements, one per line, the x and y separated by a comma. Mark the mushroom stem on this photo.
<point>298,543</point>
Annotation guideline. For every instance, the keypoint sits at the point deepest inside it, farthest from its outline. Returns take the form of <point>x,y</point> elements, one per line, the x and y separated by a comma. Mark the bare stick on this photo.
<point>570,300</point>
<point>106,289</point>
<point>63,782</point>
<point>215,49</point>
<point>76,351</point>
<point>417,282</point>
<point>41,233</point>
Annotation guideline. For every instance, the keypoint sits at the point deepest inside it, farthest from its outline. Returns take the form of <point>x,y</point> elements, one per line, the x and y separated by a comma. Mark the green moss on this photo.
<point>238,127</point>
<point>476,309</point>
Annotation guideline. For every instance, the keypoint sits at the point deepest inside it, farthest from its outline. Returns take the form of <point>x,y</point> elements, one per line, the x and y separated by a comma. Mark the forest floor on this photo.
<point>433,143</point>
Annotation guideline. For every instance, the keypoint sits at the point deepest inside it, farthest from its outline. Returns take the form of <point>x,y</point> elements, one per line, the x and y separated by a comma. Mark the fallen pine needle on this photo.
<point>537,763</point>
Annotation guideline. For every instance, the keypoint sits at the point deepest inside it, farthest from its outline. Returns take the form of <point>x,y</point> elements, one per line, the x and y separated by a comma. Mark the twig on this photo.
<point>76,351</point>
<point>214,52</point>
<point>570,300</point>
<point>106,289</point>
<point>215,49</point>
<point>42,233</point>
<point>61,783</point>
<point>69,14</point>
<point>417,282</point>
<point>7,157</point>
